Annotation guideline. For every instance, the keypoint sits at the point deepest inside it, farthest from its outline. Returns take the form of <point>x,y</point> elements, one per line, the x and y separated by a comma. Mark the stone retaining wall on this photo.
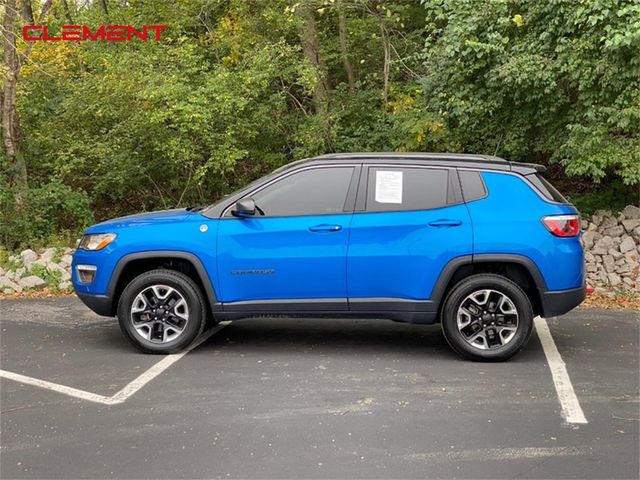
<point>612,249</point>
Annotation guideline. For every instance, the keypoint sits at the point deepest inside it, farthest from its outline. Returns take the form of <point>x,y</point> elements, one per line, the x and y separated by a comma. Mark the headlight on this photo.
<point>97,241</point>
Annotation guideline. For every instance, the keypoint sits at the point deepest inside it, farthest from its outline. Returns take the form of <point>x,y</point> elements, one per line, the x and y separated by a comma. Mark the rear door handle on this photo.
<point>325,228</point>
<point>445,222</point>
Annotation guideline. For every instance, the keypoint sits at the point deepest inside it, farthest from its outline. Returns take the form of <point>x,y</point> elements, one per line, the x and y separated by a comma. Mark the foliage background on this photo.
<point>237,88</point>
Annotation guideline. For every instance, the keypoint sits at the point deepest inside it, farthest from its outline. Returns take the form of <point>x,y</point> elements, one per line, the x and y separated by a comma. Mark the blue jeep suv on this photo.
<point>475,242</point>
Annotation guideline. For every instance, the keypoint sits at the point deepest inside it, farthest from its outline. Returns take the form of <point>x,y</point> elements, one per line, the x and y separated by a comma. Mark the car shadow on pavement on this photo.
<point>339,336</point>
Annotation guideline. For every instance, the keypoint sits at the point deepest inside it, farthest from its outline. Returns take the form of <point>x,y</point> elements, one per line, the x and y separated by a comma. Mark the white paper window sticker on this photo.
<point>388,186</point>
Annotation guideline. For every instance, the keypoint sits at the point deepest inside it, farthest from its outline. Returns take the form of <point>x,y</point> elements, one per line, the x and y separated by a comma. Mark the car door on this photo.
<point>292,252</point>
<point>409,222</point>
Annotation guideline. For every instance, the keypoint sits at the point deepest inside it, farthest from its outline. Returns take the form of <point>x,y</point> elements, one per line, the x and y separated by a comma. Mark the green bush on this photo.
<point>51,210</point>
<point>614,197</point>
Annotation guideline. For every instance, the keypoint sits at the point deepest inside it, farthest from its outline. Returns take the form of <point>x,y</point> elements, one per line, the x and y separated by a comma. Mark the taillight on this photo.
<point>562,225</point>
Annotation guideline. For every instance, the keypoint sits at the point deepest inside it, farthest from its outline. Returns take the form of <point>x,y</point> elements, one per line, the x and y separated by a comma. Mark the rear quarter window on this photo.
<point>544,186</point>
<point>472,185</point>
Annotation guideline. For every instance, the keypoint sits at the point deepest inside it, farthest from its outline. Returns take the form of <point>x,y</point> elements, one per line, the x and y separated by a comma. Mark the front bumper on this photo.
<point>559,302</point>
<point>101,304</point>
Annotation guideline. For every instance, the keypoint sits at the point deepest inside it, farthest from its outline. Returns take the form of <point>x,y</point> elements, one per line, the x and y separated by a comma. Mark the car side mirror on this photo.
<point>244,208</point>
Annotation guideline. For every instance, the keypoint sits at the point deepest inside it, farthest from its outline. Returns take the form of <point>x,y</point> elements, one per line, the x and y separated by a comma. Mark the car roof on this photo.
<point>444,159</point>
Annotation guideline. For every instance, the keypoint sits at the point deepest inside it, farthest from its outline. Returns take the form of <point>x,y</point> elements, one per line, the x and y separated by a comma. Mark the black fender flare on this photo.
<point>447,272</point>
<point>190,257</point>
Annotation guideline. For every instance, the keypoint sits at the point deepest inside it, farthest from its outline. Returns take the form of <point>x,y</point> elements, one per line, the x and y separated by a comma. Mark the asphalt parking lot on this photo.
<point>301,398</point>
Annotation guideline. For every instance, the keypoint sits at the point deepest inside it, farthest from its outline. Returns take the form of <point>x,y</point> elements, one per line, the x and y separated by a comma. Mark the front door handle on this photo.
<point>445,222</point>
<point>325,228</point>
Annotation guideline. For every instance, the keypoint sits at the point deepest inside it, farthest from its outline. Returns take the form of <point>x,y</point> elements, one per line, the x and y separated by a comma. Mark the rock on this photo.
<point>32,281</point>
<point>603,213</point>
<point>28,256</point>
<point>615,231</point>
<point>66,260</point>
<point>624,268</point>
<point>631,211</point>
<point>2,272</point>
<point>66,275</point>
<point>630,224</point>
<point>604,279</point>
<point>52,266</point>
<point>7,283</point>
<point>627,245</point>
<point>609,264</point>
<point>20,272</point>
<point>603,245</point>
<point>636,232</point>
<point>615,254</point>
<point>588,239</point>
<point>632,258</point>
<point>608,222</point>
<point>41,262</point>
<point>614,279</point>
<point>48,254</point>
<point>64,285</point>
<point>589,258</point>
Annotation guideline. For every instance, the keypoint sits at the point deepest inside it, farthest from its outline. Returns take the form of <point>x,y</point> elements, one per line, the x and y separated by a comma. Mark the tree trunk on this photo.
<point>103,5</point>
<point>311,49</point>
<point>344,48</point>
<point>27,12</point>
<point>386,66</point>
<point>67,12</point>
<point>9,114</point>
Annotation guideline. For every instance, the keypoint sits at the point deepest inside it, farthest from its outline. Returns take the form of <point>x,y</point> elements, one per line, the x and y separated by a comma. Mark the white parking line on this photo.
<point>500,454</point>
<point>128,390</point>
<point>571,409</point>
<point>56,387</point>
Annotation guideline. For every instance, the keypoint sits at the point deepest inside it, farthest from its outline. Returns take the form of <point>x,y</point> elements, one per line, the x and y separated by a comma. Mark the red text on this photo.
<point>80,33</point>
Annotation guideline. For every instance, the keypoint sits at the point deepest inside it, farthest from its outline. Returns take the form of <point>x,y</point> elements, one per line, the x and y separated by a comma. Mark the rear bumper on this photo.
<point>101,304</point>
<point>561,301</point>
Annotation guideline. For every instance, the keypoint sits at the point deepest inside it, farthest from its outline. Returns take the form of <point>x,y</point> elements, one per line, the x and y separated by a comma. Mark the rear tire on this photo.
<point>487,318</point>
<point>162,311</point>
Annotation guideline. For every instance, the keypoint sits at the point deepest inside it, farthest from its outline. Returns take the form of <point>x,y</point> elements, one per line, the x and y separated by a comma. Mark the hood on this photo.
<point>140,219</point>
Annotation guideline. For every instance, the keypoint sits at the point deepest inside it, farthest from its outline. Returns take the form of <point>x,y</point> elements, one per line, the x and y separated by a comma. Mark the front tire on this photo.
<point>161,311</point>
<point>487,317</point>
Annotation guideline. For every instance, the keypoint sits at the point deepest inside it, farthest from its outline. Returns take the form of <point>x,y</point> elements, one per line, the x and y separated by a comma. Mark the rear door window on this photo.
<point>406,188</point>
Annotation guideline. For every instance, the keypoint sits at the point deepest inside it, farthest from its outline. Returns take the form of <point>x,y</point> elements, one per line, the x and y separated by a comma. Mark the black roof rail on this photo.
<point>453,157</point>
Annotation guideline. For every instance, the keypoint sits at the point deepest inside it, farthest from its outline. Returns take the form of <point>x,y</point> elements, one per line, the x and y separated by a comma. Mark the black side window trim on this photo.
<point>454,195</point>
<point>454,192</point>
<point>349,199</point>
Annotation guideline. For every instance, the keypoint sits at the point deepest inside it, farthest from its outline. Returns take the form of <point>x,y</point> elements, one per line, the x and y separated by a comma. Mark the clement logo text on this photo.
<point>80,33</point>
